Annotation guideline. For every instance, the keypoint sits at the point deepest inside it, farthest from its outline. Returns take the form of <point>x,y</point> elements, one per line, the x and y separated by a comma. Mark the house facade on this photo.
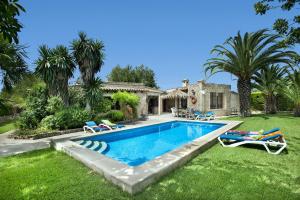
<point>204,97</point>
<point>200,96</point>
<point>149,97</point>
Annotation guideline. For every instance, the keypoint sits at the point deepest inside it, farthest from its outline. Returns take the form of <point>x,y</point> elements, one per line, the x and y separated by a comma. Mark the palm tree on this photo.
<point>65,67</point>
<point>46,70</point>
<point>55,67</point>
<point>12,64</point>
<point>94,93</point>
<point>269,81</point>
<point>242,56</point>
<point>89,55</point>
<point>292,91</point>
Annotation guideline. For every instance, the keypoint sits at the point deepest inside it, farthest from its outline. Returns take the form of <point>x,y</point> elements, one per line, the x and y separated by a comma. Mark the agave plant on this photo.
<point>65,67</point>
<point>93,93</point>
<point>243,56</point>
<point>89,55</point>
<point>292,91</point>
<point>45,70</point>
<point>269,81</point>
<point>55,67</point>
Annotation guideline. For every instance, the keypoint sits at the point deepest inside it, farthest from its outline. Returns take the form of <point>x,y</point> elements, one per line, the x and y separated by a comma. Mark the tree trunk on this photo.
<point>87,75</point>
<point>270,104</point>
<point>63,89</point>
<point>297,111</point>
<point>52,89</point>
<point>244,89</point>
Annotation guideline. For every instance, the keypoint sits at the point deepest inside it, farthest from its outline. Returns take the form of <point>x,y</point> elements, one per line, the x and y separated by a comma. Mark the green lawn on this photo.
<point>219,173</point>
<point>7,126</point>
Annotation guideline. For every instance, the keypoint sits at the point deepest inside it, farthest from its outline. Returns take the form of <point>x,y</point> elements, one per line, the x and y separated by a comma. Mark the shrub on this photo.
<point>55,104</point>
<point>76,97</point>
<point>72,118</point>
<point>257,101</point>
<point>99,117</point>
<point>115,115</point>
<point>49,123</point>
<point>128,103</point>
<point>37,101</point>
<point>104,105</point>
<point>27,120</point>
<point>5,108</point>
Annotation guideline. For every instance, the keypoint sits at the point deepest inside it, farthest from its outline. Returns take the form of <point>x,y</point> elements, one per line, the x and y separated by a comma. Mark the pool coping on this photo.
<point>135,179</point>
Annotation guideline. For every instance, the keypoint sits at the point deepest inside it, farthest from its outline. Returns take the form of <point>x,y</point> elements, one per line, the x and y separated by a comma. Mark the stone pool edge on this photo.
<point>135,179</point>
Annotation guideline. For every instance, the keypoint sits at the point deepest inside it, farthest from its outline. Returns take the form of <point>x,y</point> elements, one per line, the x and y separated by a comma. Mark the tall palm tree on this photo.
<point>55,67</point>
<point>292,91</point>
<point>46,70</point>
<point>65,67</point>
<point>12,63</point>
<point>94,93</point>
<point>244,55</point>
<point>269,81</point>
<point>89,55</point>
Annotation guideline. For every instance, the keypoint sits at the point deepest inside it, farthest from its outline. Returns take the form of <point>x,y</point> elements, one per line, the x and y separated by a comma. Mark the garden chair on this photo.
<point>112,125</point>
<point>91,126</point>
<point>272,139</point>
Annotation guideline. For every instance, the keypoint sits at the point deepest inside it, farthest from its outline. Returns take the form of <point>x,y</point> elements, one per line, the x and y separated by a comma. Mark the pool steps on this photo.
<point>98,146</point>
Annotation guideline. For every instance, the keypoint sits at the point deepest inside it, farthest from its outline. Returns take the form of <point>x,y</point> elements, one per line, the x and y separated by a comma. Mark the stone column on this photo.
<point>159,105</point>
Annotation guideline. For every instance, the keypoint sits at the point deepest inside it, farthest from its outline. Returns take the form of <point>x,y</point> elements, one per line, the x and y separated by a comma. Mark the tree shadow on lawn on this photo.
<point>205,178</point>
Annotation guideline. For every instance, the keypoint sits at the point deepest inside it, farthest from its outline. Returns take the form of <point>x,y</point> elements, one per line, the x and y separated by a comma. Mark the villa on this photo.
<point>200,96</point>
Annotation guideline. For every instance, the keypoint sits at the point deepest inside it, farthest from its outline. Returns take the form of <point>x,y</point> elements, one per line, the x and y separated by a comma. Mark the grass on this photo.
<point>218,173</point>
<point>7,126</point>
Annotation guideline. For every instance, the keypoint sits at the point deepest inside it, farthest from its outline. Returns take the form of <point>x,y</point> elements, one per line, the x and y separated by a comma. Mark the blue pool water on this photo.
<point>139,145</point>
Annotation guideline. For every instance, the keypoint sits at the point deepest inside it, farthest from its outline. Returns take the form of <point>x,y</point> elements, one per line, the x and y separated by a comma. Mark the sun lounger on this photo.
<point>199,116</point>
<point>91,126</point>
<point>272,139</point>
<point>210,115</point>
<point>112,125</point>
<point>237,132</point>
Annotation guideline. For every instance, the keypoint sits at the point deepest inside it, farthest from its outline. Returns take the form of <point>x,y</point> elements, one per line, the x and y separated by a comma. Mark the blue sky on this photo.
<point>174,38</point>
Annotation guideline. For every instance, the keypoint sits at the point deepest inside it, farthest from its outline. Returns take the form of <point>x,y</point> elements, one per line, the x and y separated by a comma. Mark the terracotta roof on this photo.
<point>125,86</point>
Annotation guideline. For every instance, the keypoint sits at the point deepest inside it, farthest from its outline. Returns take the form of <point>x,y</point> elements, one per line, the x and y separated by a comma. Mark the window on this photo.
<point>216,100</point>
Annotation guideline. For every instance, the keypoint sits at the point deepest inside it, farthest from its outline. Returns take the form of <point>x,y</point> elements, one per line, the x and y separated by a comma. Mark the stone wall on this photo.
<point>202,93</point>
<point>235,101</point>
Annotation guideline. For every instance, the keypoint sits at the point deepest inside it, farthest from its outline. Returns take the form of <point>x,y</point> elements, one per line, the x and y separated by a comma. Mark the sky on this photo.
<point>174,38</point>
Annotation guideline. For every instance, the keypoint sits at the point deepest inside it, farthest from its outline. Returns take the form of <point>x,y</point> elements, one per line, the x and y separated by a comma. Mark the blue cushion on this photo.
<point>210,113</point>
<point>271,131</point>
<point>91,123</point>
<point>197,113</point>
<point>233,137</point>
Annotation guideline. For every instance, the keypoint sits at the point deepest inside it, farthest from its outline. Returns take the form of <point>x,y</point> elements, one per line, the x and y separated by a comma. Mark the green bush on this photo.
<point>72,118</point>
<point>104,105</point>
<point>37,101</point>
<point>76,97</point>
<point>54,105</point>
<point>115,115</point>
<point>128,103</point>
<point>5,108</point>
<point>27,120</point>
<point>49,123</point>
<point>99,117</point>
<point>257,101</point>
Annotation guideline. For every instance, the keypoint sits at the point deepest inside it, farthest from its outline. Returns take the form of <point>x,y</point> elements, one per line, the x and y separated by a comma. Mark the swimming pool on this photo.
<point>139,145</point>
